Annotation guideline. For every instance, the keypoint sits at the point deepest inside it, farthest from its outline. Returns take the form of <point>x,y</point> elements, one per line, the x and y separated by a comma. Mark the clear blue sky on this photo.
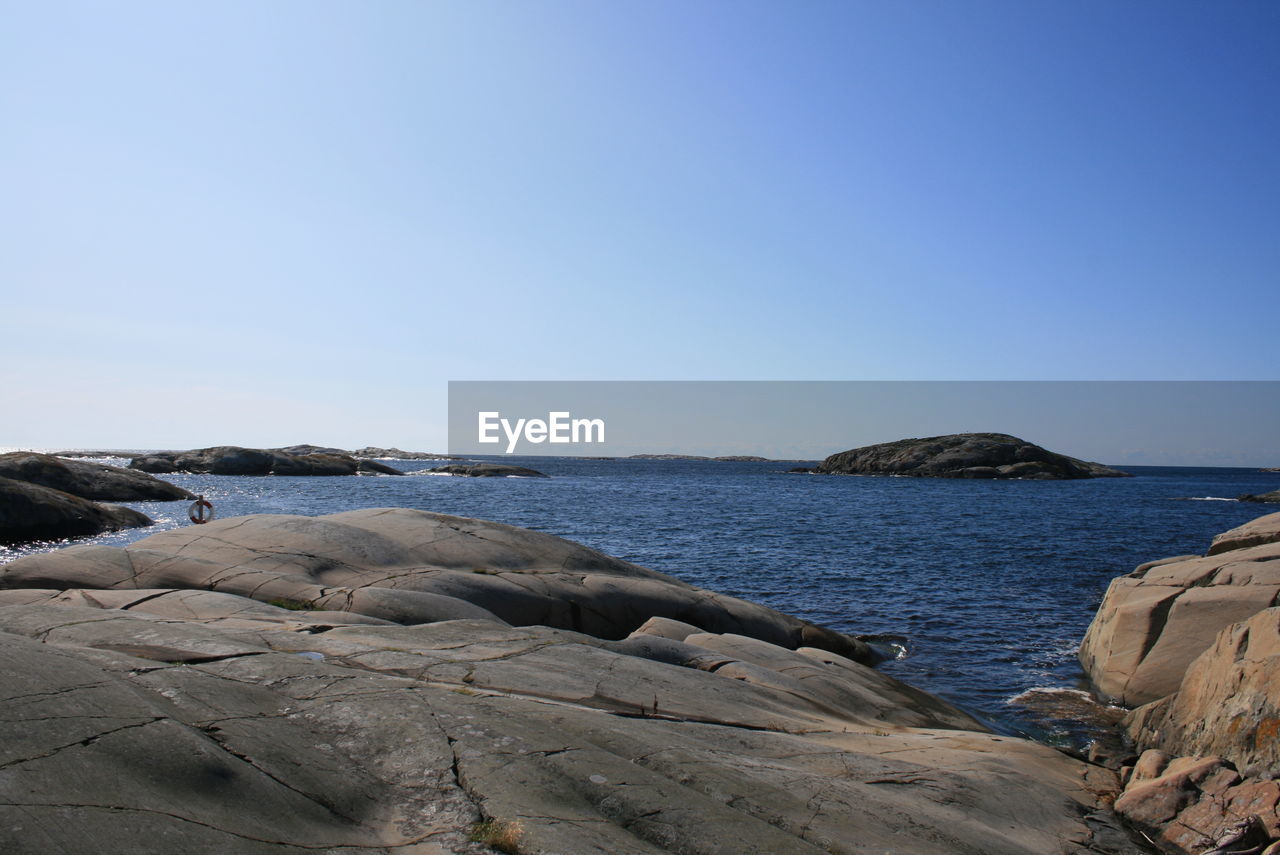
<point>267,223</point>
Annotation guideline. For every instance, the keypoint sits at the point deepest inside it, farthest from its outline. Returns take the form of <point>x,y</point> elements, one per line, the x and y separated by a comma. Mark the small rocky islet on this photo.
<point>962,455</point>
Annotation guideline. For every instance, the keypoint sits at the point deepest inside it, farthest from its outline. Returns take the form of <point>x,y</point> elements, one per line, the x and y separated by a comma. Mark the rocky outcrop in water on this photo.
<point>728,458</point>
<point>88,480</point>
<point>483,470</point>
<point>1267,498</point>
<point>963,455</point>
<point>1196,641</point>
<point>1153,622</point>
<point>29,512</point>
<point>170,713</point>
<point>234,460</point>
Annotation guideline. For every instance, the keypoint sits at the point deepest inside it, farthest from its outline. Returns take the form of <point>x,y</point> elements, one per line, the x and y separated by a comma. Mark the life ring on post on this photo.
<point>201,511</point>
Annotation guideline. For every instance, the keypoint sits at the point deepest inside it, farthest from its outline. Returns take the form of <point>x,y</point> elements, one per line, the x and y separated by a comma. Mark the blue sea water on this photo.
<point>988,585</point>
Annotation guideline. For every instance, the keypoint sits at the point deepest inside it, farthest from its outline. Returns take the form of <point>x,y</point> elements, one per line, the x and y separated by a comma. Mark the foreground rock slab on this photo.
<point>963,455</point>
<point>29,512</point>
<point>352,683</point>
<point>88,480</point>
<point>153,735</point>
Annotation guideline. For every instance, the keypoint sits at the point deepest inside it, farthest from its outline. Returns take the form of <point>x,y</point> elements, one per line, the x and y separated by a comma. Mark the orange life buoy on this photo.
<point>200,511</point>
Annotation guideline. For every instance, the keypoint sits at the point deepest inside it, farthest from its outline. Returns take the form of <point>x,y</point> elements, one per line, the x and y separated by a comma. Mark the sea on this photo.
<point>979,591</point>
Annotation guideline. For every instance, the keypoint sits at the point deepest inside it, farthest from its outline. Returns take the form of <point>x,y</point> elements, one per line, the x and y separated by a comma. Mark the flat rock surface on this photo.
<point>151,735</point>
<point>1156,620</point>
<point>29,512</point>
<point>88,480</point>
<point>276,684</point>
<point>963,455</point>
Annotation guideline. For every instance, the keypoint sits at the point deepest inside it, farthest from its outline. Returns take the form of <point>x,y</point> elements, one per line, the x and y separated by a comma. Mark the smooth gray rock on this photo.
<point>963,455</point>
<point>88,480</point>
<point>412,567</point>
<point>155,735</point>
<point>29,512</point>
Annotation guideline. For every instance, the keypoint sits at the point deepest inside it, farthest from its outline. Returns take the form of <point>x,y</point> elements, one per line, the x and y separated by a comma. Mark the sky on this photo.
<point>272,223</point>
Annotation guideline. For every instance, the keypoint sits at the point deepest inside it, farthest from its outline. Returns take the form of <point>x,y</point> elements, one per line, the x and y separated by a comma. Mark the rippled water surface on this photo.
<point>989,584</point>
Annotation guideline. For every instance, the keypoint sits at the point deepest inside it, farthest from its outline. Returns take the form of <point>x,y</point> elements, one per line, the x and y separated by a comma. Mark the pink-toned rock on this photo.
<point>1253,533</point>
<point>1227,704</point>
<point>1156,620</point>
<point>1150,765</point>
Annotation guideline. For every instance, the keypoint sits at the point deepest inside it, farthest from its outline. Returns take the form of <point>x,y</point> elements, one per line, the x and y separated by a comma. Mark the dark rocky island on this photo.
<point>234,460</point>
<point>962,455</point>
<point>29,512</point>
<point>43,497</point>
<point>1267,498</point>
<point>87,480</point>
<point>483,470</point>
<point>734,458</point>
<point>393,680</point>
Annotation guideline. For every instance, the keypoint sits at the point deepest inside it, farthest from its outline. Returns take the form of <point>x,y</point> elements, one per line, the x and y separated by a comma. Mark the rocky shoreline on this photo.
<point>395,680</point>
<point>1192,644</point>
<point>470,685</point>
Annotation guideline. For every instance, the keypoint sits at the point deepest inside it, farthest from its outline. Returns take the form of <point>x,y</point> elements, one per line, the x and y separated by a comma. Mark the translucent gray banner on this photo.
<point>1193,423</point>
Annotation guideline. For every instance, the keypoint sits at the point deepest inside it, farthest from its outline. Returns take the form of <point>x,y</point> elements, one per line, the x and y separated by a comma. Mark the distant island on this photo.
<point>369,452</point>
<point>729,458</point>
<point>962,455</point>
